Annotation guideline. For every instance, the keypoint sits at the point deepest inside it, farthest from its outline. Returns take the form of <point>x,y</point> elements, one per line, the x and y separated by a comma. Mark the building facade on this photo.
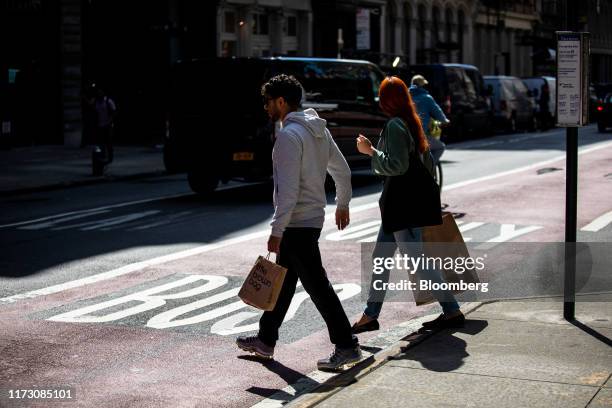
<point>503,36</point>
<point>262,28</point>
<point>53,49</point>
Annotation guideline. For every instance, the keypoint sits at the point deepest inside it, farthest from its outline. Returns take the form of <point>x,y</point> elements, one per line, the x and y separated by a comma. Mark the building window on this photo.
<point>291,26</point>
<point>260,24</point>
<point>228,48</point>
<point>230,22</point>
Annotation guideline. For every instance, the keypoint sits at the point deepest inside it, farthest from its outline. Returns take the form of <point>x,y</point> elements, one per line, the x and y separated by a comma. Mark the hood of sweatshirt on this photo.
<point>309,119</point>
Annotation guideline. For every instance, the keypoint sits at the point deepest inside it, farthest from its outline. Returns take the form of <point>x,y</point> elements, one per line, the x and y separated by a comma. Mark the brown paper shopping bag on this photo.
<point>263,284</point>
<point>445,241</point>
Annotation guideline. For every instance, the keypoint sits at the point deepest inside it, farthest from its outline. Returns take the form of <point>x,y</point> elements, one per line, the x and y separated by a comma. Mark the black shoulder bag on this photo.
<point>411,199</point>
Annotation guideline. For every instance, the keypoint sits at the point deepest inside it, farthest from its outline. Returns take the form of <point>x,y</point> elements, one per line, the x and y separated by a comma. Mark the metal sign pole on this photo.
<point>572,112</point>
<point>571,207</point>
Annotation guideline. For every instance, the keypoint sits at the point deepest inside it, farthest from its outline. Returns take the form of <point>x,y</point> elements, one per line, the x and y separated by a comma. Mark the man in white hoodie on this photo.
<point>304,151</point>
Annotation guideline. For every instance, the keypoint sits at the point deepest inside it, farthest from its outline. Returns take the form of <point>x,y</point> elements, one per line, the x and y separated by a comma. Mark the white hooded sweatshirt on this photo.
<point>303,152</point>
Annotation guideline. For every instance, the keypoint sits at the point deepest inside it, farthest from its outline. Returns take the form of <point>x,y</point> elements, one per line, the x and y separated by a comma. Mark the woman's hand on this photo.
<point>364,145</point>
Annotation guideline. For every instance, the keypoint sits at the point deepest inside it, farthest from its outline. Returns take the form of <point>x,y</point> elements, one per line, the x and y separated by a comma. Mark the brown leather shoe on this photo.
<point>365,327</point>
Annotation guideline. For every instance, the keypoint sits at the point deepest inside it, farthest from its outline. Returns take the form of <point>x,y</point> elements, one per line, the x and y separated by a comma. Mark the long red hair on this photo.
<point>395,101</point>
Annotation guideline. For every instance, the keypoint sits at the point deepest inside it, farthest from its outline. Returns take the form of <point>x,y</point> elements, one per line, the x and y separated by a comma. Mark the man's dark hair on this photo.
<point>286,86</point>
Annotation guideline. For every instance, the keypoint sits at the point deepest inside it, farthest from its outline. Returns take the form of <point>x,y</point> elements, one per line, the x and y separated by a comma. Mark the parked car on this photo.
<point>545,110</point>
<point>511,103</point>
<point>217,128</point>
<point>598,93</point>
<point>459,90</point>
<point>604,113</point>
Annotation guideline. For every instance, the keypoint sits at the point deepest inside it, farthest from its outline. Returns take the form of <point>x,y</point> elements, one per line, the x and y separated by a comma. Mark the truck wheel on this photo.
<point>202,182</point>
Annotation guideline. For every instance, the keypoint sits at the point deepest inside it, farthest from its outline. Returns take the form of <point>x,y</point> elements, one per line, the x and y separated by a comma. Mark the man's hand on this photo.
<point>364,145</point>
<point>274,244</point>
<point>342,218</point>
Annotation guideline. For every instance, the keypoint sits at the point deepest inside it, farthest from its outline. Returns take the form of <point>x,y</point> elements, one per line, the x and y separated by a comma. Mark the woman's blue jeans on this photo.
<point>409,242</point>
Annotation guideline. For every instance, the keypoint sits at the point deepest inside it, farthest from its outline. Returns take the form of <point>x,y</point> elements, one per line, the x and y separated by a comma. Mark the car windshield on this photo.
<point>335,82</point>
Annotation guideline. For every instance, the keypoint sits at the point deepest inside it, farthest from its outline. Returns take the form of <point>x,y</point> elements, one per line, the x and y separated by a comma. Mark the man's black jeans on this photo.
<point>299,253</point>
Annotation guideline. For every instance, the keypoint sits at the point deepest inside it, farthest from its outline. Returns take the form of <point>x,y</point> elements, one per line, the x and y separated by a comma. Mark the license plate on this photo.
<point>243,156</point>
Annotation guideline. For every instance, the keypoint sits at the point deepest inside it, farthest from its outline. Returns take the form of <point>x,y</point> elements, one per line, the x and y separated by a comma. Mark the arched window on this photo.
<point>449,33</point>
<point>460,28</point>
<point>435,33</point>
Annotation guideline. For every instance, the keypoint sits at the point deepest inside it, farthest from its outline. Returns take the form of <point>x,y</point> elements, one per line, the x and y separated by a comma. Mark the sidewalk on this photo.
<point>509,354</point>
<point>27,169</point>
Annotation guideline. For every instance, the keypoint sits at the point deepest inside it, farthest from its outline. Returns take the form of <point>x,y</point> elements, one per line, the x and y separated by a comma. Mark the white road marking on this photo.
<point>355,231</point>
<point>168,220</point>
<point>470,226</point>
<point>107,222</point>
<point>106,207</point>
<point>232,241</point>
<point>598,223</point>
<point>524,168</point>
<point>506,233</point>
<point>126,204</point>
<point>148,299</point>
<point>124,270</point>
<point>52,223</point>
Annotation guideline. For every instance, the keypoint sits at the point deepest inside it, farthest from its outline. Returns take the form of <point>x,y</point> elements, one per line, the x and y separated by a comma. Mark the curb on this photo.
<point>338,382</point>
<point>83,182</point>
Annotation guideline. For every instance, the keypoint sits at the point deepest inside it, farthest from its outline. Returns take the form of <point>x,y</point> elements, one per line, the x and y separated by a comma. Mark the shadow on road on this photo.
<point>289,375</point>
<point>442,352</point>
<point>54,240</point>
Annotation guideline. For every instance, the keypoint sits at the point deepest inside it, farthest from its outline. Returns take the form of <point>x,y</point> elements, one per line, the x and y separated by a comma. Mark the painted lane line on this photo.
<point>47,224</point>
<point>124,270</point>
<point>524,168</point>
<point>470,226</point>
<point>126,204</point>
<point>106,207</point>
<point>598,223</point>
<point>232,241</point>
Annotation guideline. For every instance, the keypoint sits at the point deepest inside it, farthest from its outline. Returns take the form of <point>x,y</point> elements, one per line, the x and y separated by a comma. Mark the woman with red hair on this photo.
<point>401,142</point>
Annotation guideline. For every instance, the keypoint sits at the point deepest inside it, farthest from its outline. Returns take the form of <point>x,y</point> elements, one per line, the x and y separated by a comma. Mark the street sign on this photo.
<point>573,50</point>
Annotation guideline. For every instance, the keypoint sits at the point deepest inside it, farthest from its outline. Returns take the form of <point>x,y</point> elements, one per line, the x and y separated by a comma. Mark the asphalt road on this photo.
<point>77,263</point>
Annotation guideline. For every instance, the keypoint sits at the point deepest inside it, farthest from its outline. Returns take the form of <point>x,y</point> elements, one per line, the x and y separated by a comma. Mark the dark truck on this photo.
<point>217,129</point>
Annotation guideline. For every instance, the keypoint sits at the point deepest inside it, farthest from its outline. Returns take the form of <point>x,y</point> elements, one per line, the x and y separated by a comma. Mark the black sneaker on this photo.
<point>443,322</point>
<point>341,358</point>
<point>253,344</point>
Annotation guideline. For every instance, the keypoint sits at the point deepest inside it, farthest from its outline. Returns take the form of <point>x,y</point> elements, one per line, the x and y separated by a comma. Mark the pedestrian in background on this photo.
<point>304,152</point>
<point>106,111</point>
<point>401,140</point>
<point>428,109</point>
